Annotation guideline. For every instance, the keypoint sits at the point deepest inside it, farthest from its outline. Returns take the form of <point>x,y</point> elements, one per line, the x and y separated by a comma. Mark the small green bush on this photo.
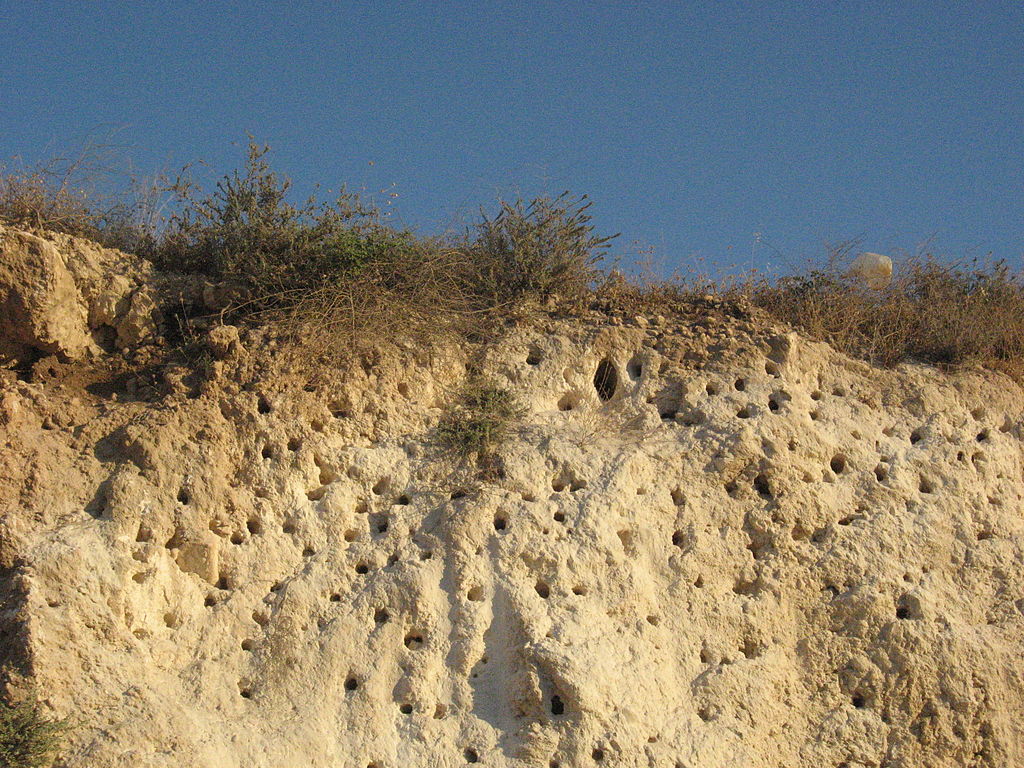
<point>480,422</point>
<point>247,231</point>
<point>542,248</point>
<point>28,739</point>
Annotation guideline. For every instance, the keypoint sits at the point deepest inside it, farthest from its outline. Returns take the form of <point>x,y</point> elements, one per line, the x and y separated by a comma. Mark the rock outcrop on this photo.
<point>709,542</point>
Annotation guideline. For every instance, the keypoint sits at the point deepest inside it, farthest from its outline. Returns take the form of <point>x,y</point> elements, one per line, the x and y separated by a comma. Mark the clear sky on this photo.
<point>691,125</point>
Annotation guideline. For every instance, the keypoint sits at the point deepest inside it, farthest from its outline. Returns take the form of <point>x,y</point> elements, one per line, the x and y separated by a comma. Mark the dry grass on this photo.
<point>946,315</point>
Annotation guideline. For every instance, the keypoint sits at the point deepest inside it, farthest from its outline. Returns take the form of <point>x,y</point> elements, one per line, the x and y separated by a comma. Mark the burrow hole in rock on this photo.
<point>543,589</point>
<point>606,380</point>
<point>210,601</point>
<point>557,707</point>
<point>762,487</point>
<point>635,369</point>
<point>362,568</point>
<point>500,522</point>
<point>381,616</point>
<point>144,534</point>
<point>677,497</point>
<point>740,385</point>
<point>248,645</point>
<point>294,443</point>
<point>750,649</point>
<point>260,618</point>
<point>693,418</point>
<point>559,517</point>
<point>771,368</point>
<point>926,486</point>
<point>746,412</point>
<point>903,610</point>
<point>597,754</point>
<point>838,464</point>
<point>534,356</point>
<point>712,388</point>
<point>475,594</point>
<point>679,539</point>
<point>579,590</point>
<point>263,406</point>
<point>568,401</point>
<point>414,641</point>
<point>288,526</point>
<point>351,683</point>
<point>916,436</point>
<point>183,496</point>
<point>471,755</point>
<point>254,526</point>
<point>267,452</point>
<point>237,538</point>
<point>405,709</point>
<point>402,501</point>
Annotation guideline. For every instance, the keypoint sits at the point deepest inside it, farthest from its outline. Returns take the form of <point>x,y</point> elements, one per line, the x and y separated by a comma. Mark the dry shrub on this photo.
<point>417,294</point>
<point>73,196</point>
<point>947,315</point>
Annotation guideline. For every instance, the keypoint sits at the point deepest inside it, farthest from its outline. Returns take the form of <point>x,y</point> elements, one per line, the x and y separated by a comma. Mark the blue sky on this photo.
<point>692,126</point>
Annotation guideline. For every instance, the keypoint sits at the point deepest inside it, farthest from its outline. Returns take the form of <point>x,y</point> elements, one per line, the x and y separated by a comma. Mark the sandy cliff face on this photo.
<point>735,547</point>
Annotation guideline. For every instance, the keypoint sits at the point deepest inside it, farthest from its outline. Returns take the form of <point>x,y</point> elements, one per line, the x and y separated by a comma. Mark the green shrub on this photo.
<point>28,739</point>
<point>247,231</point>
<point>542,248</point>
<point>480,422</point>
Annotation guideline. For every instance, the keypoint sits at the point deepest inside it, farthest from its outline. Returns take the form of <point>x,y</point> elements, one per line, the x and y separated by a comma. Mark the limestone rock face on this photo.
<point>709,543</point>
<point>68,297</point>
<point>40,307</point>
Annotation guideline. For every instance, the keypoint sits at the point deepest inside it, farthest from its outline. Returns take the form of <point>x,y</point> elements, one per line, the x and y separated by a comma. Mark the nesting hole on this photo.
<point>635,369</point>
<point>606,380</point>
<point>557,706</point>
